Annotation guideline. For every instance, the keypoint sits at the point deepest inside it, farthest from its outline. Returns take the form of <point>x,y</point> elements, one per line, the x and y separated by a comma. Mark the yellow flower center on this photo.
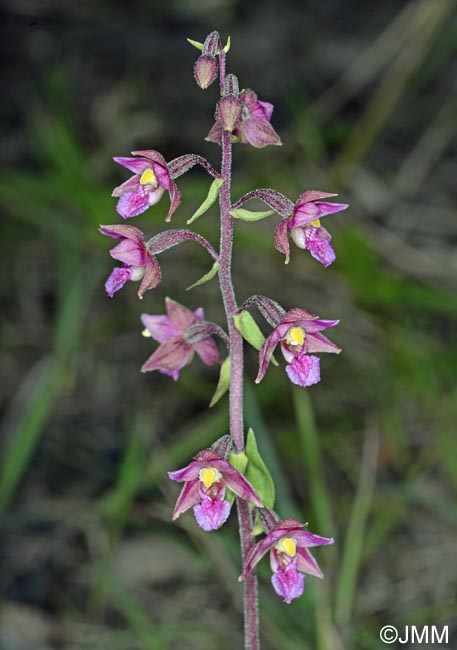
<point>316,223</point>
<point>208,476</point>
<point>295,336</point>
<point>147,177</point>
<point>288,545</point>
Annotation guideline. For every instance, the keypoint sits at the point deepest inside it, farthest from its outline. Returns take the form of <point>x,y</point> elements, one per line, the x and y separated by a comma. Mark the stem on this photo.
<point>251,627</point>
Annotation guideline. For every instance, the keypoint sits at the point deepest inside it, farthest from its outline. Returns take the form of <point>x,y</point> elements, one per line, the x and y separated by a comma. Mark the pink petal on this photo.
<point>180,316</point>
<point>304,214</point>
<point>304,370</point>
<point>121,232</point>
<point>161,328</point>
<point>130,252</point>
<point>330,208</point>
<point>259,133</point>
<point>263,109</point>
<point>173,354</point>
<point>116,280</point>
<point>319,247</point>
<point>319,343</point>
<point>282,239</point>
<point>132,204</point>
<point>188,497</point>
<point>152,276</point>
<point>135,165</point>
<point>162,175</point>
<point>211,514</point>
<point>208,352</point>
<point>257,551</point>
<point>215,134</point>
<point>242,488</point>
<point>288,583</point>
<point>306,539</point>
<point>188,473</point>
<point>312,195</point>
<point>130,185</point>
<point>175,200</point>
<point>307,564</point>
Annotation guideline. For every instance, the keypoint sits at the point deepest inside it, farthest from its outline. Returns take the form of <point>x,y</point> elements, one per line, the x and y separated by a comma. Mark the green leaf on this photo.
<point>248,215</point>
<point>257,472</point>
<point>223,383</point>
<point>207,277</point>
<point>208,202</point>
<point>250,331</point>
<point>239,460</point>
<point>196,44</point>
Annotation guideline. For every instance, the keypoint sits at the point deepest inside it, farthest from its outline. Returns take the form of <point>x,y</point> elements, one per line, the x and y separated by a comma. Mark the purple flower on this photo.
<point>138,263</point>
<point>254,126</point>
<point>175,351</point>
<point>205,481</point>
<point>288,544</point>
<point>304,226</point>
<point>151,179</point>
<point>299,334</point>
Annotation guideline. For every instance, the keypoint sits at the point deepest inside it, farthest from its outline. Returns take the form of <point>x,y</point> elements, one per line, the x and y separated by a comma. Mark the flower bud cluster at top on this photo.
<point>211,480</point>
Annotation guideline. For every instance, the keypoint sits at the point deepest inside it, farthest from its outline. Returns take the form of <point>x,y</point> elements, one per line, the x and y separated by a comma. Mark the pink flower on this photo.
<point>205,481</point>
<point>138,263</point>
<point>253,127</point>
<point>151,179</point>
<point>299,334</point>
<point>174,333</point>
<point>288,544</point>
<point>305,228</point>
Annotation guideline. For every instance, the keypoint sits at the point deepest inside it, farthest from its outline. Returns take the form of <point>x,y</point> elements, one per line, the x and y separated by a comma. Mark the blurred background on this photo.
<point>365,103</point>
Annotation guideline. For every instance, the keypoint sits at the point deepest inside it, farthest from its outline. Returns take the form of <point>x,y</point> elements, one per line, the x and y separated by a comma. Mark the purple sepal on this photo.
<point>212,514</point>
<point>189,497</point>
<point>172,355</point>
<point>304,370</point>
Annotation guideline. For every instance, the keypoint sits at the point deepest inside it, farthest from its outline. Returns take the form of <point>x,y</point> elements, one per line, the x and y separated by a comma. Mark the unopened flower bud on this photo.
<point>228,112</point>
<point>231,85</point>
<point>205,70</point>
<point>212,44</point>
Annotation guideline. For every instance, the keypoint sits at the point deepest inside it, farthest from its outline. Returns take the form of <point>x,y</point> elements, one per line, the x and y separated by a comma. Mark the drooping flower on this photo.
<point>174,333</point>
<point>299,334</point>
<point>290,558</point>
<point>151,179</point>
<point>205,481</point>
<point>253,127</point>
<point>304,226</point>
<point>138,262</point>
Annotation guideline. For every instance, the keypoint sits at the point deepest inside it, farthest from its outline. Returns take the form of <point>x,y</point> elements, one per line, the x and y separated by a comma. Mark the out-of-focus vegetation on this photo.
<point>365,103</point>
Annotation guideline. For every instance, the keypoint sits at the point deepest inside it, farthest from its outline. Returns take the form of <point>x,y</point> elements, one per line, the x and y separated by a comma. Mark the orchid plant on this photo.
<point>232,469</point>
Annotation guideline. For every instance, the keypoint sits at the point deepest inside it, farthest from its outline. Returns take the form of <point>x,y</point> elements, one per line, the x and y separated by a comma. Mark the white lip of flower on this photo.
<point>137,273</point>
<point>208,476</point>
<point>295,336</point>
<point>287,545</point>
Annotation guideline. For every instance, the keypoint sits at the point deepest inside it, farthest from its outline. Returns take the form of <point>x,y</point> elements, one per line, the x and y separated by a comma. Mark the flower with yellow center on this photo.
<point>287,545</point>
<point>295,336</point>
<point>208,476</point>
<point>148,177</point>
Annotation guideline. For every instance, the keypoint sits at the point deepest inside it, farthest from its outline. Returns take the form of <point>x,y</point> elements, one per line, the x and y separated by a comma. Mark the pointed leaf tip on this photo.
<point>210,199</point>
<point>207,277</point>
<point>224,382</point>
<point>227,45</point>
<point>196,44</point>
<point>250,331</point>
<point>257,472</point>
